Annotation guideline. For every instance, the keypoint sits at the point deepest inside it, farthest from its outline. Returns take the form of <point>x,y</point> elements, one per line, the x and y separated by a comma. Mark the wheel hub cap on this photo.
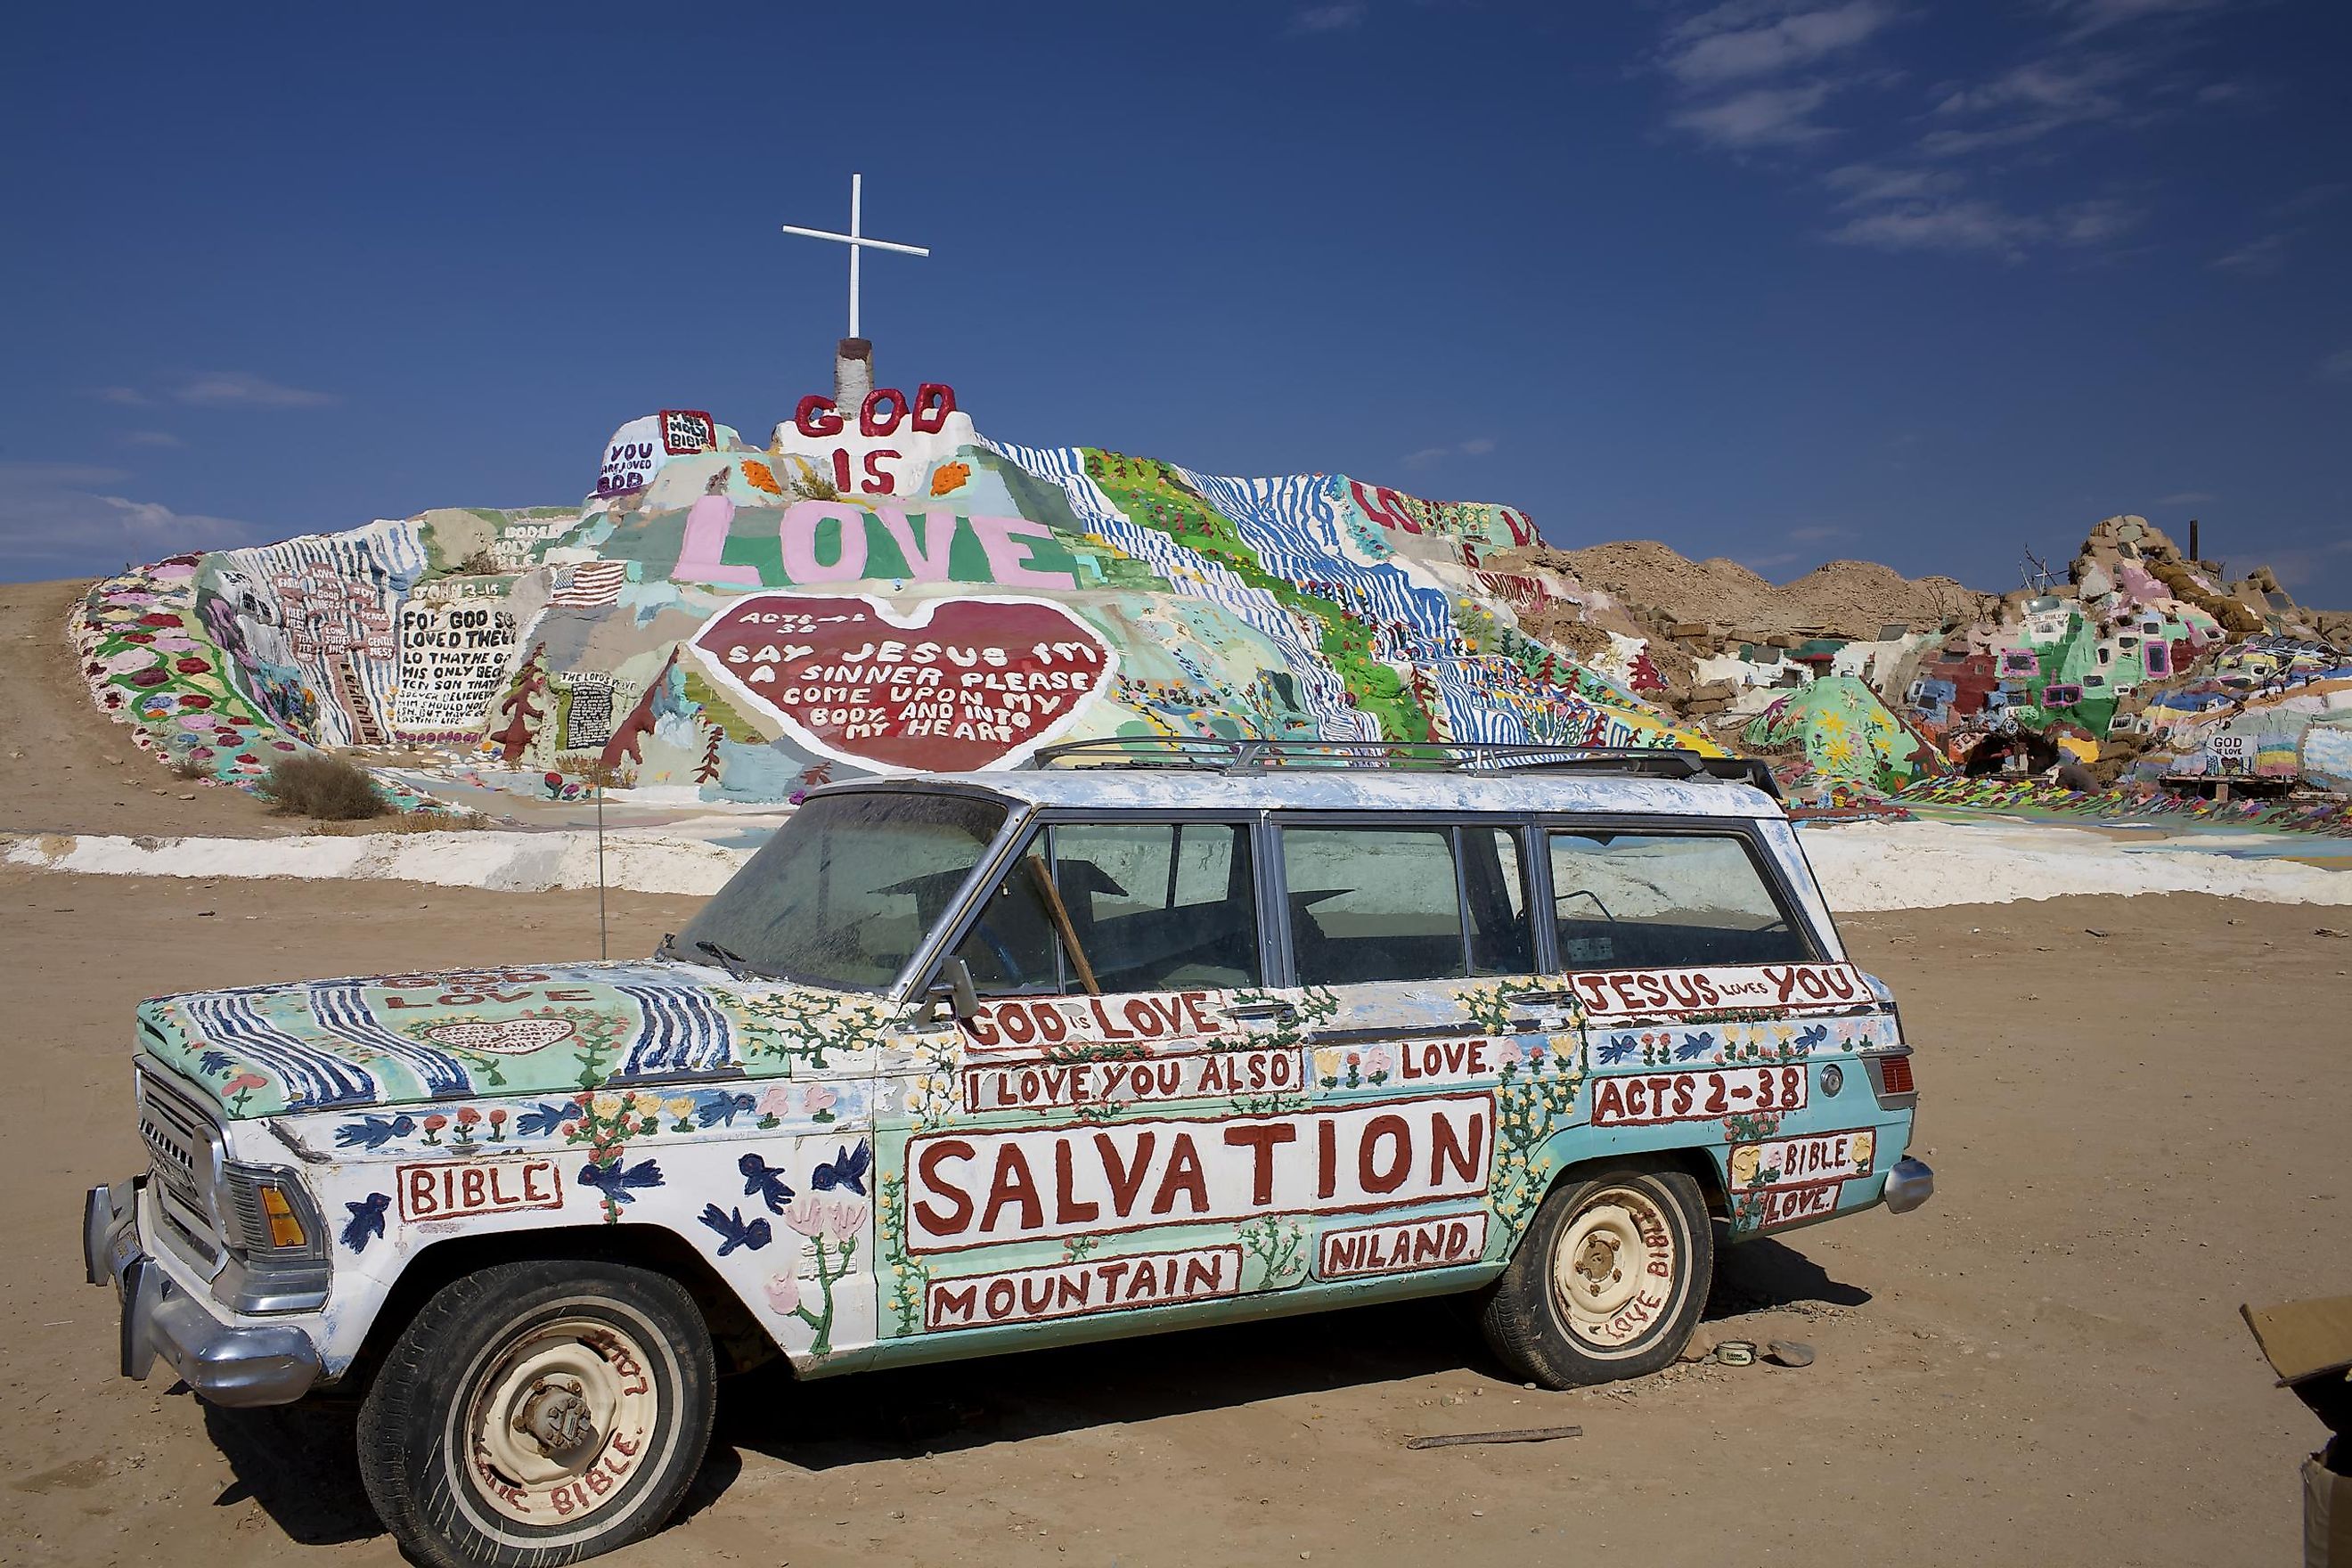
<point>558,1420</point>
<point>1615,1268</point>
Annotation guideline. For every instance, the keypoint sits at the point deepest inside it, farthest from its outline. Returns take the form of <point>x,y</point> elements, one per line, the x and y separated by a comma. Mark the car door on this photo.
<point>1101,1133</point>
<point>1441,1055</point>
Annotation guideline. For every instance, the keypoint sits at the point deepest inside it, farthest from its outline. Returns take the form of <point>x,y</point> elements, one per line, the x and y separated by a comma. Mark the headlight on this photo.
<point>277,1242</point>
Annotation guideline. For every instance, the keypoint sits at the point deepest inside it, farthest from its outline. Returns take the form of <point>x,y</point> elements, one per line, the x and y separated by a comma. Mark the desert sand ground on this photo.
<point>2132,1134</point>
<point>2133,1131</point>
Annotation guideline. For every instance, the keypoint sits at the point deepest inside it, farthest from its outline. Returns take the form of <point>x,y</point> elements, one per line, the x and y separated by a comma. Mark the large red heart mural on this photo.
<point>960,684</point>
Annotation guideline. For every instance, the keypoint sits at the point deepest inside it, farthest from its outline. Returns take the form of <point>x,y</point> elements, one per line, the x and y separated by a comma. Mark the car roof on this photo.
<point>1353,789</point>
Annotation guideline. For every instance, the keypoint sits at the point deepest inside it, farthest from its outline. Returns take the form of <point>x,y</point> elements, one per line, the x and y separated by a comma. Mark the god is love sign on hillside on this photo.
<point>958,685</point>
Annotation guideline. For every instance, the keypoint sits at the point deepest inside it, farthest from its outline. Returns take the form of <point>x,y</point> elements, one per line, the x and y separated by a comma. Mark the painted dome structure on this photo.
<point>877,588</point>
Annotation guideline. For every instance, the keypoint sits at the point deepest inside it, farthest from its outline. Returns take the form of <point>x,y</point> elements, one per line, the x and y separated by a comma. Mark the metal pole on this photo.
<point>602,949</point>
<point>857,200</point>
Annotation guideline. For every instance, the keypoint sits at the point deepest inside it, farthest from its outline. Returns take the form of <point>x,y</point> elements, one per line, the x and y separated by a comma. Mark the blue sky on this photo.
<point>1929,284</point>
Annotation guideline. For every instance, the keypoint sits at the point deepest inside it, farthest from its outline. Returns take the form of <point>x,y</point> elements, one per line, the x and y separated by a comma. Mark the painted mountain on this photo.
<point>877,589</point>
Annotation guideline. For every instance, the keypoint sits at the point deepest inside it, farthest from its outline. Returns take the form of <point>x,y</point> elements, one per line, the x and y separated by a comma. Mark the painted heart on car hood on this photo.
<point>392,1039</point>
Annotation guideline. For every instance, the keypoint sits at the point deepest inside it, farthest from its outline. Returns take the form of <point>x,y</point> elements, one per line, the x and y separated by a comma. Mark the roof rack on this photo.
<point>1217,754</point>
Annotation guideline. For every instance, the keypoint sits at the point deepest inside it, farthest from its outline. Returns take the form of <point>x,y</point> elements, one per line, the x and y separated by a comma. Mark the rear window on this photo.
<point>1655,901</point>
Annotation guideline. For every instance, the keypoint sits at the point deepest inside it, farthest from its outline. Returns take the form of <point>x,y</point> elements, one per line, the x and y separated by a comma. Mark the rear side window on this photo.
<point>1656,900</point>
<point>1405,903</point>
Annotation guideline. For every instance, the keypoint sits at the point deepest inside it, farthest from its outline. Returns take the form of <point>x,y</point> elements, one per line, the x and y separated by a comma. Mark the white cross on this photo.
<point>856,242</point>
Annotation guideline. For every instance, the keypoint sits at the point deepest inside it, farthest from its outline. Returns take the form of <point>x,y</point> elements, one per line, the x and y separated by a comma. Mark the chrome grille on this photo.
<point>184,1152</point>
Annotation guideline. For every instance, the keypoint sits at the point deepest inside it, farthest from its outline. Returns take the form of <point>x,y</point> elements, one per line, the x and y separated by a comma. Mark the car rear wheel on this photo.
<point>1609,1280</point>
<point>538,1413</point>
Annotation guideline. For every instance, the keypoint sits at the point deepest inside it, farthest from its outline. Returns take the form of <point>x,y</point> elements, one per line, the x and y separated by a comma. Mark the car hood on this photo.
<point>392,1039</point>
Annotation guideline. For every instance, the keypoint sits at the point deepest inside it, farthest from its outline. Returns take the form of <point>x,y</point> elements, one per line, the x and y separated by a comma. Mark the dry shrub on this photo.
<point>329,788</point>
<point>187,767</point>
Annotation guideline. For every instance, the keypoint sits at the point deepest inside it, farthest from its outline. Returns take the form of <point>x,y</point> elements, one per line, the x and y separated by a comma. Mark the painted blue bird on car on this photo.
<point>366,1222</point>
<point>846,1169</point>
<point>764,1181</point>
<point>732,1230</point>
<point>621,1183</point>
<point>373,1131</point>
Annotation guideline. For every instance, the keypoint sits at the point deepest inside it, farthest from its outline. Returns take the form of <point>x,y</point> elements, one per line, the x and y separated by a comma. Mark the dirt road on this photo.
<point>2132,1133</point>
<point>69,768</point>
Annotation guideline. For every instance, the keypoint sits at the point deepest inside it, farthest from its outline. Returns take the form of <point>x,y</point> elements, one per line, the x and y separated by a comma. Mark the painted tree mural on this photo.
<point>628,741</point>
<point>522,706</point>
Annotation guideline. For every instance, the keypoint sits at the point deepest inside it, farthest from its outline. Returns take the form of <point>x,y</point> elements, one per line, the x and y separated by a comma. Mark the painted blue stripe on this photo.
<point>314,1077</point>
<point>682,1031</point>
<point>1321,691</point>
<point>341,1010</point>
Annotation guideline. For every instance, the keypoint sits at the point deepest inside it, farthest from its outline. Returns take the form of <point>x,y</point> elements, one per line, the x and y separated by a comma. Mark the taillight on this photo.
<point>1894,1075</point>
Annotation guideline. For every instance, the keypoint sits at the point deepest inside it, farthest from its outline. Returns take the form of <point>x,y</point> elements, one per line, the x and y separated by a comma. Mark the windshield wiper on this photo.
<point>735,964</point>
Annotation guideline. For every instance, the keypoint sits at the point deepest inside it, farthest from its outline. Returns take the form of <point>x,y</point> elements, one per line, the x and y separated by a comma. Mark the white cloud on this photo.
<point>152,439</point>
<point>220,389</point>
<point>2336,366</point>
<point>1475,447</point>
<point>1756,76</point>
<point>242,389</point>
<point>1817,533</point>
<point>1327,18</point>
<point>2311,198</point>
<point>2096,222</point>
<point>1917,209</point>
<point>2090,17</point>
<point>1729,44</point>
<point>55,517</point>
<point>2030,100</point>
<point>2186,498</point>
<point>1761,117</point>
<point>1965,225</point>
<point>2255,259</point>
<point>1868,184</point>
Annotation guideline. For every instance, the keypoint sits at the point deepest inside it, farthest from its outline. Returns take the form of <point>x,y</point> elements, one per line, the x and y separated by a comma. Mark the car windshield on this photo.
<point>845,893</point>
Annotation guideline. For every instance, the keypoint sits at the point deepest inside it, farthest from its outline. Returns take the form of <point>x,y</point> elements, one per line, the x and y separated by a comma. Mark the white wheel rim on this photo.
<point>560,1421</point>
<point>1615,1268</point>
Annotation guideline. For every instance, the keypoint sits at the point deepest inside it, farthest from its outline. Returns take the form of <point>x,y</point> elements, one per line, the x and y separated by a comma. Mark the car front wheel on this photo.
<point>538,1413</point>
<point>1609,1280</point>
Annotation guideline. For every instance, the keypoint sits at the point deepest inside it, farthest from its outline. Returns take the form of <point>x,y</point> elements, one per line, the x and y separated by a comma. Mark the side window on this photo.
<point>1647,900</point>
<point>1494,887</point>
<point>1012,948</point>
<point>1373,903</point>
<point>1133,906</point>
<point>1160,906</point>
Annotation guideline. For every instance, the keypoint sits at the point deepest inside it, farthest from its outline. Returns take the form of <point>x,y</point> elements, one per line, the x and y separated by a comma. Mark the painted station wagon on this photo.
<point>1134,1039</point>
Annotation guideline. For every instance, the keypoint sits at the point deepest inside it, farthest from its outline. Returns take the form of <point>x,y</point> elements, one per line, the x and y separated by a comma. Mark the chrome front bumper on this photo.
<point>1908,1185</point>
<point>273,1364</point>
